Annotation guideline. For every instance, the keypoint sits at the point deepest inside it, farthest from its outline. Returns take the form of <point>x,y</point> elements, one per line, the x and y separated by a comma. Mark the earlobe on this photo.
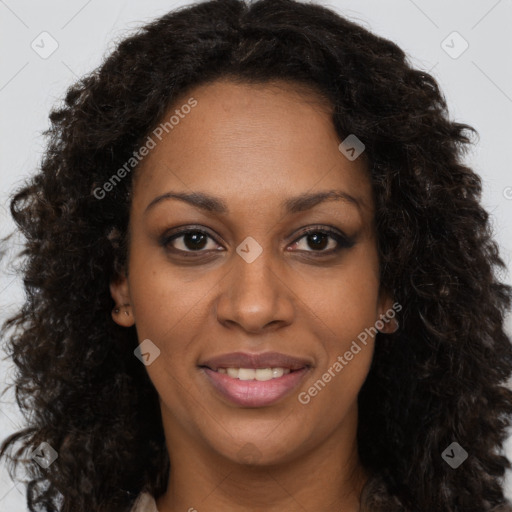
<point>387,322</point>
<point>122,314</point>
<point>389,325</point>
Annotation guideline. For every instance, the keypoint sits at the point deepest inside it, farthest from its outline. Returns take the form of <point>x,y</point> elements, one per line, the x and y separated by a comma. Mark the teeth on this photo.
<point>277,372</point>
<point>233,372</point>
<point>260,374</point>
<point>246,373</point>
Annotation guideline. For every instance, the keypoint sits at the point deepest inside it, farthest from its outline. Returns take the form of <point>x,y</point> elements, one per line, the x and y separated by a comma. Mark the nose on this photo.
<point>255,296</point>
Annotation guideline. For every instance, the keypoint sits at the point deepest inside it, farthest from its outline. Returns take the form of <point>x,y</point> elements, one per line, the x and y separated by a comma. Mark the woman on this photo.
<point>259,277</point>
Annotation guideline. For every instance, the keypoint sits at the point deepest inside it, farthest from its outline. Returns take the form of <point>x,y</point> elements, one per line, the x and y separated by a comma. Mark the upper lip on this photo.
<point>261,360</point>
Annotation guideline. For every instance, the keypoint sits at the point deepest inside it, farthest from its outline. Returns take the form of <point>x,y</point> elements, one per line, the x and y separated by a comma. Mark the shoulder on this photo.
<point>144,503</point>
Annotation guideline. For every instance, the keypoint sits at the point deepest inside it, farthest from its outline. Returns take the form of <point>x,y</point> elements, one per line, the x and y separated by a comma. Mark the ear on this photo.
<point>386,313</point>
<point>122,314</point>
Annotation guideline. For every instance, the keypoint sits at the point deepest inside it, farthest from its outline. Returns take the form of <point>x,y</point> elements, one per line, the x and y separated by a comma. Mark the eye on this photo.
<point>322,240</point>
<point>189,241</point>
<point>317,240</point>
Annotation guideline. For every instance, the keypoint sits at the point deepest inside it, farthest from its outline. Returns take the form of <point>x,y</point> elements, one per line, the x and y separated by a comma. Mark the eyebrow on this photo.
<point>295,204</point>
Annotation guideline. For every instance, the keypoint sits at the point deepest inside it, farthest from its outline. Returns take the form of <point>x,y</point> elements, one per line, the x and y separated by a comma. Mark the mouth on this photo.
<point>259,374</point>
<point>254,380</point>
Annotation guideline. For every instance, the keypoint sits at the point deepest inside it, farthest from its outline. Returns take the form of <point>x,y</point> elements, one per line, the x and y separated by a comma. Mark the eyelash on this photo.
<point>342,241</point>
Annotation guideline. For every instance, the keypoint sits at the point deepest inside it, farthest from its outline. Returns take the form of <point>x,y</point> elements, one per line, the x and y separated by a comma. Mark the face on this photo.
<point>252,246</point>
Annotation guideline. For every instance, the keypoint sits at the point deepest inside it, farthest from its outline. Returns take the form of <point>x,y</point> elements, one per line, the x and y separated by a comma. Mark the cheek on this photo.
<point>166,312</point>
<point>163,299</point>
<point>329,398</point>
<point>349,311</point>
<point>348,307</point>
<point>348,302</point>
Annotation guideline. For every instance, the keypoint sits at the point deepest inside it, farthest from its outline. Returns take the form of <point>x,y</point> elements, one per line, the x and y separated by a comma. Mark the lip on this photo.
<point>254,393</point>
<point>253,360</point>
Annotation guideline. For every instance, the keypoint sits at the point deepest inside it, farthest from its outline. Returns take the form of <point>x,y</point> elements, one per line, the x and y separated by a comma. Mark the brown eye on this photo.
<point>194,240</point>
<point>324,241</point>
<point>189,241</point>
<point>317,241</point>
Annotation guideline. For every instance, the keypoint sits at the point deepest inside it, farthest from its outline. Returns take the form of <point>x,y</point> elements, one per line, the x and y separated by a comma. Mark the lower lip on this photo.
<point>254,393</point>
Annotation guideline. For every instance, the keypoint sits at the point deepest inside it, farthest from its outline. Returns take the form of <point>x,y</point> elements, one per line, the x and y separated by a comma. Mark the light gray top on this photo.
<point>144,503</point>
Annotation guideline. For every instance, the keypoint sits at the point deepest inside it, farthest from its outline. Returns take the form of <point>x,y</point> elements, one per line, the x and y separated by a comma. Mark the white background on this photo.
<point>477,85</point>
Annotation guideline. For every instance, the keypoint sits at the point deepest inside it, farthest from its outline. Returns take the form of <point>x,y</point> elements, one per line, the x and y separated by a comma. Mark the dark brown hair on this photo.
<point>439,379</point>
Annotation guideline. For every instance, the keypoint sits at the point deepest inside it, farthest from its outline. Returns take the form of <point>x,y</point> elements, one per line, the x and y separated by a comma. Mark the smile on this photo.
<point>254,379</point>
<point>260,374</point>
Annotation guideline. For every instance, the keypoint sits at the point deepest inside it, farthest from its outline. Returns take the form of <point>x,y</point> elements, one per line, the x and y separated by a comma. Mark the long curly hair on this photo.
<point>441,378</point>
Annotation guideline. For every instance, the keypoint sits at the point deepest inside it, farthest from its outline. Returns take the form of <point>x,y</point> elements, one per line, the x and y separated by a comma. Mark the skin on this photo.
<point>254,146</point>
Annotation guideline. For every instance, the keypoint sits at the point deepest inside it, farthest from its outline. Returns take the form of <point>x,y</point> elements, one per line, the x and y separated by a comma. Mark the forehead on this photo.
<point>246,142</point>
